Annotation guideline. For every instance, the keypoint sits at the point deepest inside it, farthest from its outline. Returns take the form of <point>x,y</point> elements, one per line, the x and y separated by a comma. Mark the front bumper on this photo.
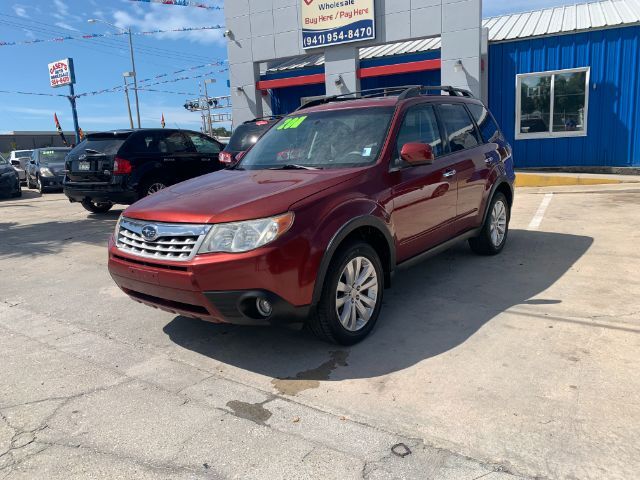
<point>56,182</point>
<point>221,288</point>
<point>99,193</point>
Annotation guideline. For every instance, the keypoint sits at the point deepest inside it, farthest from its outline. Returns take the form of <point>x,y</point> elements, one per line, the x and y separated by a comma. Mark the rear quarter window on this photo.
<point>488,127</point>
<point>461,131</point>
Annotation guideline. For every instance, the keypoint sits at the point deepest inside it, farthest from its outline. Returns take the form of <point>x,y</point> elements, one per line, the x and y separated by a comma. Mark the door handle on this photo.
<point>449,173</point>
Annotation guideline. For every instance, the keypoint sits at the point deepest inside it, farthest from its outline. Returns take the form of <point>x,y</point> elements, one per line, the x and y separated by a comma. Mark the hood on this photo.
<point>234,195</point>
<point>5,168</point>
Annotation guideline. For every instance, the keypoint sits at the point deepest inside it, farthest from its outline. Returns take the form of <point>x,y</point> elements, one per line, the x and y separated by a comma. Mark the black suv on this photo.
<point>123,166</point>
<point>245,136</point>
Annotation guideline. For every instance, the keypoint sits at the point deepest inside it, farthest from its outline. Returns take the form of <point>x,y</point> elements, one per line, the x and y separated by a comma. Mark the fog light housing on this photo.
<point>264,307</point>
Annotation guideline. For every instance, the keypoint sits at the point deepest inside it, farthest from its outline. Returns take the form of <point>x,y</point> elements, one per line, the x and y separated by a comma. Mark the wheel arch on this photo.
<point>503,186</point>
<point>371,229</point>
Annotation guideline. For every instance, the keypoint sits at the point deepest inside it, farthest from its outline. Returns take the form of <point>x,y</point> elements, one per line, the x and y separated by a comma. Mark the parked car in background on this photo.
<point>45,170</point>
<point>122,166</point>
<point>313,221</point>
<point>9,180</point>
<point>245,136</point>
<point>19,160</point>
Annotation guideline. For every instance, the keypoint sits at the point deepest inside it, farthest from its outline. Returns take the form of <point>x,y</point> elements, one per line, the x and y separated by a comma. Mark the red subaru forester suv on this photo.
<point>311,224</point>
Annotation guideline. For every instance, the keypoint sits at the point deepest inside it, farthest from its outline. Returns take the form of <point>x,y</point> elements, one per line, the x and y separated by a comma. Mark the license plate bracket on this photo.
<point>84,166</point>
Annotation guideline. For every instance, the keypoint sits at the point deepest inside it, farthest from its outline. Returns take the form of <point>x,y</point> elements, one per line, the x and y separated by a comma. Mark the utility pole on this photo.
<point>133,62</point>
<point>126,95</point>
<point>135,77</point>
<point>206,95</point>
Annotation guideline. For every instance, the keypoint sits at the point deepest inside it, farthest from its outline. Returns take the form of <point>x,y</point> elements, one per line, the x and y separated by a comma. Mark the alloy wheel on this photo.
<point>155,187</point>
<point>498,226</point>
<point>357,294</point>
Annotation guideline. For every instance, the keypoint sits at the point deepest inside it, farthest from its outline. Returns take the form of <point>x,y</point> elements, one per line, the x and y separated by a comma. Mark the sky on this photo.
<point>99,63</point>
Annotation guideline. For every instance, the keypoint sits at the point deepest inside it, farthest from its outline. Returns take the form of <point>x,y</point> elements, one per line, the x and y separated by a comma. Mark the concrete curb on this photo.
<point>529,179</point>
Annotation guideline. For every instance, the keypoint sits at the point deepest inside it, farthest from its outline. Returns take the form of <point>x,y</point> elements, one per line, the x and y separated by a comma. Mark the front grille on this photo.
<point>177,242</point>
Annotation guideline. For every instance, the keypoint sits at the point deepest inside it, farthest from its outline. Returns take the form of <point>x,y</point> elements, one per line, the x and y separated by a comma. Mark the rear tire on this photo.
<point>95,207</point>
<point>351,297</point>
<point>151,186</point>
<point>494,233</point>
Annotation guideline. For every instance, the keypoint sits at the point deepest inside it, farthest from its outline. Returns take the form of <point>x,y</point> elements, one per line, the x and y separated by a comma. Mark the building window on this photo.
<point>552,104</point>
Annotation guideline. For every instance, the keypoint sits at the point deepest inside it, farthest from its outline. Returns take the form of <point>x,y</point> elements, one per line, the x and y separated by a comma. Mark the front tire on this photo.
<point>494,233</point>
<point>351,296</point>
<point>95,207</point>
<point>39,185</point>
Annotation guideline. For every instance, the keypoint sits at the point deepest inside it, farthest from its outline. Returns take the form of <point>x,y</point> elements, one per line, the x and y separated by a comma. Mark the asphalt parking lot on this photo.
<point>523,365</point>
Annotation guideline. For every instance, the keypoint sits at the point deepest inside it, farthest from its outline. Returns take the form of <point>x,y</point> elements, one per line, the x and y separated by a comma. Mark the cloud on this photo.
<point>166,17</point>
<point>66,26</point>
<point>20,11</point>
<point>501,7</point>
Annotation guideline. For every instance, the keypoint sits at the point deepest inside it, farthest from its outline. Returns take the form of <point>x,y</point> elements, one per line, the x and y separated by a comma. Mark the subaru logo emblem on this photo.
<point>149,232</point>
<point>82,157</point>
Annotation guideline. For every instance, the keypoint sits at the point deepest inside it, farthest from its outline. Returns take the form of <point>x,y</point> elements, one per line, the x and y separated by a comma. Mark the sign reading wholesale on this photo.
<point>61,73</point>
<point>337,21</point>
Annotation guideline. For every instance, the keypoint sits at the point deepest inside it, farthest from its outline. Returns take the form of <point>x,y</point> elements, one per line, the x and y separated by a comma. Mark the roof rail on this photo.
<point>267,117</point>
<point>403,92</point>
<point>416,91</point>
<point>369,93</point>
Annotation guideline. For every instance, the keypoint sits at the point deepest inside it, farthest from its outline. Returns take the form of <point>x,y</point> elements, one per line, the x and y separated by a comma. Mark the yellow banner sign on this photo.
<point>331,22</point>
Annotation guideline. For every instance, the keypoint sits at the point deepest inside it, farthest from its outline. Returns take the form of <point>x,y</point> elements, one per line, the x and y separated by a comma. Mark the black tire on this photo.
<point>483,244</point>
<point>17,194</point>
<point>39,185</point>
<point>149,184</point>
<point>324,322</point>
<point>95,207</point>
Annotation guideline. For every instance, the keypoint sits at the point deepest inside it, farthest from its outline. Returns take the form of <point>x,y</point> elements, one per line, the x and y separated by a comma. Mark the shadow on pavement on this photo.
<point>432,308</point>
<point>50,237</point>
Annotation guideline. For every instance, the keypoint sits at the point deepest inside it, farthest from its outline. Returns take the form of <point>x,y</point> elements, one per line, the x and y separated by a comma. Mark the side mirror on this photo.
<point>417,153</point>
<point>15,163</point>
<point>32,162</point>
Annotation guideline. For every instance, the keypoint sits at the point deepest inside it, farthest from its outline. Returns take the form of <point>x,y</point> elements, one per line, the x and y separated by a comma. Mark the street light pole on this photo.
<point>135,77</point>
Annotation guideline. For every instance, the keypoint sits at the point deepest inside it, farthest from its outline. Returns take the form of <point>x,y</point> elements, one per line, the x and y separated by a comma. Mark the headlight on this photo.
<point>117,230</point>
<point>244,236</point>
<point>45,172</point>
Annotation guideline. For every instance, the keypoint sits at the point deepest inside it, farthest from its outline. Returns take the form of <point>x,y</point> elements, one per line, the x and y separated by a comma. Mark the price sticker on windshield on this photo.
<point>291,123</point>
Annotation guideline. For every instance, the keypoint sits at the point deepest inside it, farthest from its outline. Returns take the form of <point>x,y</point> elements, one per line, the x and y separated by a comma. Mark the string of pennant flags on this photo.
<point>187,69</point>
<point>89,36</point>
<point>181,3</point>
<point>119,88</point>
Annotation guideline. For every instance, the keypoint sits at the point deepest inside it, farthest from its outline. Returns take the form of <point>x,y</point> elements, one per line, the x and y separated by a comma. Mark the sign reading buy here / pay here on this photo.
<point>331,22</point>
<point>61,73</point>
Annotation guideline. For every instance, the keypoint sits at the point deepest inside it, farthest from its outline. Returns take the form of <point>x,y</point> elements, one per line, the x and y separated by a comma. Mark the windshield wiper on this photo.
<point>293,166</point>
<point>91,150</point>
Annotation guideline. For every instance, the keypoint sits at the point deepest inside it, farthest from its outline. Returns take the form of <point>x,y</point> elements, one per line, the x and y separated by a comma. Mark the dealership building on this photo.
<point>564,83</point>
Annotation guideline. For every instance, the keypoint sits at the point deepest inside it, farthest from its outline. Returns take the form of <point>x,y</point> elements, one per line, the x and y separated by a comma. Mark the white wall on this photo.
<point>263,30</point>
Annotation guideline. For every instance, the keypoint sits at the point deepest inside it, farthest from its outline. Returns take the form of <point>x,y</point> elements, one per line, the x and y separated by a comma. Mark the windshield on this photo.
<point>52,156</point>
<point>245,136</point>
<point>22,153</point>
<point>333,139</point>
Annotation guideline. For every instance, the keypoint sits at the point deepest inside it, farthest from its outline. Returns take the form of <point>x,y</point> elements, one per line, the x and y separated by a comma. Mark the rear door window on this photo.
<point>175,142</point>
<point>203,144</point>
<point>461,132</point>
<point>488,127</point>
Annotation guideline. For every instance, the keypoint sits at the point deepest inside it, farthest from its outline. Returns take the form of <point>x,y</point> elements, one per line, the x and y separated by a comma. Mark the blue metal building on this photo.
<point>564,83</point>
